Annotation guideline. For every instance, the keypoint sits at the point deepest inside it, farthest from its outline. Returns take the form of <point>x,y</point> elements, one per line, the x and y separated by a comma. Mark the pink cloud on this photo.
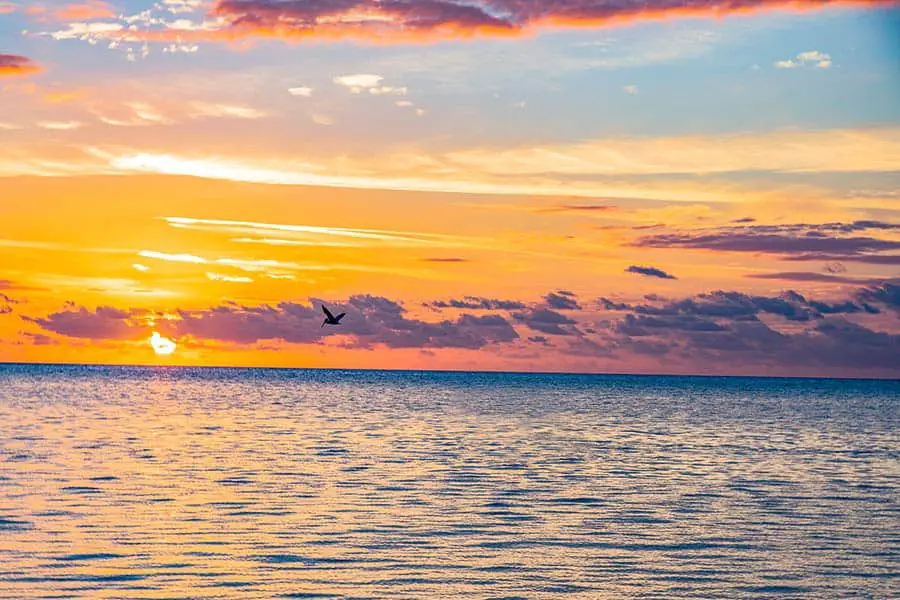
<point>11,64</point>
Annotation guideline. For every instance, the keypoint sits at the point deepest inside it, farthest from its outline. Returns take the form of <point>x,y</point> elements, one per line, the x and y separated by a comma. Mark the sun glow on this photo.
<point>161,345</point>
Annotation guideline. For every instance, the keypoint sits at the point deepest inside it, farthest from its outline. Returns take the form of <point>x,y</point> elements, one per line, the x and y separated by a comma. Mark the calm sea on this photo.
<point>206,483</point>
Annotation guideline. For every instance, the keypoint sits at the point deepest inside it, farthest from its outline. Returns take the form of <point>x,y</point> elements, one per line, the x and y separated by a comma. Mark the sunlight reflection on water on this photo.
<point>152,483</point>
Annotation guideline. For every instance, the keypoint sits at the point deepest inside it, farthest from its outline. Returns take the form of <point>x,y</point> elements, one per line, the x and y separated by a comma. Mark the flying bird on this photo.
<point>330,319</point>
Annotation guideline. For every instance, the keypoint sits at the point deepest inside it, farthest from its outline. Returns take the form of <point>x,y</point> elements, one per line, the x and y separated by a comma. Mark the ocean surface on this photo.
<point>205,483</point>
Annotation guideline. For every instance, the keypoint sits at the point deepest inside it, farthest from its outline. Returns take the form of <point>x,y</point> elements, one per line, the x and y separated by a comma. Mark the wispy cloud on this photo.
<point>311,234</point>
<point>59,125</point>
<point>183,258</point>
<point>86,10</point>
<point>304,91</point>
<point>205,109</point>
<point>228,278</point>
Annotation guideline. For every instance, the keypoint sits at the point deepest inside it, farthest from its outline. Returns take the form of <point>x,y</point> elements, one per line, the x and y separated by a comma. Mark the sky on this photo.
<point>664,186</point>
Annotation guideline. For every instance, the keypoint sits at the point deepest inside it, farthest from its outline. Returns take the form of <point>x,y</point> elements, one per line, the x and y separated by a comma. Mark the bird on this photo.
<point>330,319</point>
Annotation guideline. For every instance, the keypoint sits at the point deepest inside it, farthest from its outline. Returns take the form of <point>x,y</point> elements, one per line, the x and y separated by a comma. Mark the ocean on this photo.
<point>165,483</point>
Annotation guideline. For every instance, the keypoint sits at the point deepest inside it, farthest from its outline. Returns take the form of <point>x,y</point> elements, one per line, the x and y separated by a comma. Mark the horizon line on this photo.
<point>5,364</point>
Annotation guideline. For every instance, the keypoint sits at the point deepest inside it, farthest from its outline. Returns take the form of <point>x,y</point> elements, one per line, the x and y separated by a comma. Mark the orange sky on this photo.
<point>695,196</point>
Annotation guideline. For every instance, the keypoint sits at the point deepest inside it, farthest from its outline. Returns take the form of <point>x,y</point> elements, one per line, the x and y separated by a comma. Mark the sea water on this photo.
<point>120,482</point>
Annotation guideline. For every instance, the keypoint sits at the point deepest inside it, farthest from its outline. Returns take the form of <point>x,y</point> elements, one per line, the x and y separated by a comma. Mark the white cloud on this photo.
<point>359,82</point>
<point>387,89</point>
<point>631,89</point>
<point>204,109</point>
<point>59,125</point>
<point>184,258</point>
<point>320,119</point>
<point>140,267</point>
<point>181,6</point>
<point>228,278</point>
<point>811,58</point>
<point>403,103</point>
<point>304,91</point>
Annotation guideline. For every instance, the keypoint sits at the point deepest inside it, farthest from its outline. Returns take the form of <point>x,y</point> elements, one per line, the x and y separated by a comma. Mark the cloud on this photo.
<point>813,58</point>
<point>872,259</point>
<point>228,278</point>
<point>546,321</point>
<point>184,258</point>
<point>207,109</point>
<point>476,303</point>
<point>562,300</point>
<point>11,64</point>
<point>59,125</point>
<point>451,259</point>
<point>631,89</point>
<point>887,294</point>
<point>649,272</point>
<point>358,83</point>
<point>84,11</point>
<point>579,208</point>
<point>819,277</point>
<point>304,91</point>
<point>414,20</point>
<point>719,331</point>
<point>370,321</point>
<point>827,241</point>
<point>734,306</point>
<point>102,323</point>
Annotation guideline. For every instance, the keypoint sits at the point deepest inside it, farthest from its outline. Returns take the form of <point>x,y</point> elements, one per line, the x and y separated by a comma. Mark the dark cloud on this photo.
<point>103,323</point>
<point>887,294</point>
<point>649,272</point>
<point>540,339</point>
<point>11,64</point>
<point>835,268</point>
<point>745,220</point>
<point>770,243</point>
<point>476,303</point>
<point>714,331</point>
<point>827,241</point>
<point>546,321</point>
<point>643,325</point>
<point>370,321</point>
<point>871,259</point>
<point>395,19</point>
<point>734,306</point>
<point>562,300</point>
<point>451,259</point>
<point>38,339</point>
<point>6,304</point>
<point>806,276</point>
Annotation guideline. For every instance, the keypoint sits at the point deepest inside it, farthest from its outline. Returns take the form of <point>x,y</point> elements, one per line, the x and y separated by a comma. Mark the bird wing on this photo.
<point>327,312</point>
<point>339,317</point>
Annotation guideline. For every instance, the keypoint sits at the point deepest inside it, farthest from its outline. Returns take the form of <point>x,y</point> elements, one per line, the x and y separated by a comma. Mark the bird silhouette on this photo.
<point>330,319</point>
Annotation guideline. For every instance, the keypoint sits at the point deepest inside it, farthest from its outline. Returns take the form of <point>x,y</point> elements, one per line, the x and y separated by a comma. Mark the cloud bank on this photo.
<point>708,332</point>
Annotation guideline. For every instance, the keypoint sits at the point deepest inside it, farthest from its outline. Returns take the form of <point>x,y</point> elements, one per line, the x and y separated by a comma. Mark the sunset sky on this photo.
<point>552,185</point>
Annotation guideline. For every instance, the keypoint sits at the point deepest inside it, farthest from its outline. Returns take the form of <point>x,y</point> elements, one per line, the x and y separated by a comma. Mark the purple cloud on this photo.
<point>425,19</point>
<point>546,321</point>
<point>649,272</point>
<point>476,303</point>
<point>827,241</point>
<point>562,300</point>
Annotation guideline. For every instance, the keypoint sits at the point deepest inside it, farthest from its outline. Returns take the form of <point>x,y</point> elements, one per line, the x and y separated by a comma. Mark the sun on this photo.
<point>161,345</point>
